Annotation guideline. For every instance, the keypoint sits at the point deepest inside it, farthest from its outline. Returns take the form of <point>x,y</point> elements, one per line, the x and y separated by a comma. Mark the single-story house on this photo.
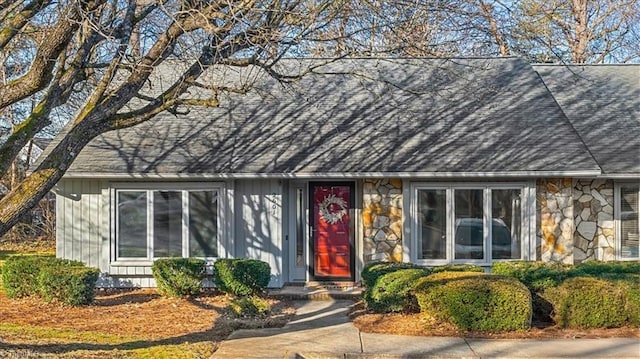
<point>430,161</point>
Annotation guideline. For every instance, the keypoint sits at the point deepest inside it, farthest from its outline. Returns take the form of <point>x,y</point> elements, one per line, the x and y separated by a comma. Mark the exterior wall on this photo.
<point>258,224</point>
<point>382,219</point>
<point>80,233</point>
<point>593,209</point>
<point>555,220</point>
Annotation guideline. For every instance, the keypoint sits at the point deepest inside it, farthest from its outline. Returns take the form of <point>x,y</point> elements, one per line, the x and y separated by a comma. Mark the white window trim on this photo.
<point>184,189</point>
<point>527,220</point>
<point>617,207</point>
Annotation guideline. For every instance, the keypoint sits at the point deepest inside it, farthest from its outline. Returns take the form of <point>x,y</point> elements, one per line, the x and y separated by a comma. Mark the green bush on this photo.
<point>475,301</point>
<point>598,268</point>
<point>374,270</point>
<point>393,291</point>
<point>586,302</point>
<point>73,285</point>
<point>20,273</point>
<point>632,284</point>
<point>178,277</point>
<point>241,276</point>
<point>249,306</point>
<point>458,268</point>
<point>535,275</point>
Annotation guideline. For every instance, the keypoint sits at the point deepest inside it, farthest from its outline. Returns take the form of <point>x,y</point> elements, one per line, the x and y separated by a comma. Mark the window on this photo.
<point>628,230</point>
<point>167,223</point>
<point>469,223</point>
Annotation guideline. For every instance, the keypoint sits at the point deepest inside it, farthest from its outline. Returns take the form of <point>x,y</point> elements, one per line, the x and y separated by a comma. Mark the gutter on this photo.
<point>407,175</point>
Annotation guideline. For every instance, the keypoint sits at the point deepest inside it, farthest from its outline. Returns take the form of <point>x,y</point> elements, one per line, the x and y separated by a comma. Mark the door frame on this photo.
<point>352,229</point>
<point>298,273</point>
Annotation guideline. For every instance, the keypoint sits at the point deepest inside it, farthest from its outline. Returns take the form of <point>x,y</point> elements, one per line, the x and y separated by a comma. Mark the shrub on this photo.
<point>535,275</point>
<point>20,273</point>
<point>475,301</point>
<point>598,268</point>
<point>178,277</point>
<point>393,291</point>
<point>458,268</point>
<point>631,282</point>
<point>586,302</point>
<point>374,270</point>
<point>73,285</point>
<point>249,306</point>
<point>241,276</point>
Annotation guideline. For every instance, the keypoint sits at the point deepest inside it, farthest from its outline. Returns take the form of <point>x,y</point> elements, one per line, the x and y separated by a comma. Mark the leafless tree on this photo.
<point>89,61</point>
<point>578,31</point>
<point>99,54</point>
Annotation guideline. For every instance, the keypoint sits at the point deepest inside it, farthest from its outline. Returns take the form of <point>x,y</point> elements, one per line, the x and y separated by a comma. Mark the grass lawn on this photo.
<point>121,324</point>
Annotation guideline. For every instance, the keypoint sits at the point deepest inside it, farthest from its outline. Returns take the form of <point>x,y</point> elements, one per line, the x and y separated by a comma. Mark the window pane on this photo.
<point>299,227</point>
<point>505,224</point>
<point>203,224</point>
<point>629,235</point>
<point>432,215</point>
<point>167,224</point>
<point>132,224</point>
<point>469,235</point>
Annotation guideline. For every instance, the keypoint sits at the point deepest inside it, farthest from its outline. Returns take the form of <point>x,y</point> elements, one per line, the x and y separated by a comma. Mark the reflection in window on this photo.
<point>629,226</point>
<point>158,219</point>
<point>469,231</point>
<point>432,217</point>
<point>132,224</point>
<point>299,227</point>
<point>203,224</point>
<point>505,224</point>
<point>167,224</point>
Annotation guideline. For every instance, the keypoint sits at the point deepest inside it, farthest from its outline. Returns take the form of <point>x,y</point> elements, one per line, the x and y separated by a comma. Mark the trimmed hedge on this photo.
<point>587,302</point>
<point>73,285</point>
<point>249,306</point>
<point>20,274</point>
<point>475,301</point>
<point>632,284</point>
<point>178,277</point>
<point>374,270</point>
<point>598,268</point>
<point>392,291</point>
<point>536,276</point>
<point>458,268</point>
<point>241,276</point>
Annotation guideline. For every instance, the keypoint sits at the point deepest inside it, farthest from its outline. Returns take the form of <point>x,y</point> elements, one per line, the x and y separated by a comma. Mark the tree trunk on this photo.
<point>32,189</point>
<point>487,12</point>
<point>581,34</point>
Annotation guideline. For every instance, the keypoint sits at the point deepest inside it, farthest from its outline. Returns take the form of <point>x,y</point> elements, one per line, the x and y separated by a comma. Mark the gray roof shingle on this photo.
<point>603,104</point>
<point>414,117</point>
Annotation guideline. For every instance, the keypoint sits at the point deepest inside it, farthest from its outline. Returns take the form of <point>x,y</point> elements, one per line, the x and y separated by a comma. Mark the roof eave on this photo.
<point>312,175</point>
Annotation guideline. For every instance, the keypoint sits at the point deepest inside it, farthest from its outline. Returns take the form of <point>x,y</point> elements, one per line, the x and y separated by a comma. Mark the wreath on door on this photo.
<point>332,209</point>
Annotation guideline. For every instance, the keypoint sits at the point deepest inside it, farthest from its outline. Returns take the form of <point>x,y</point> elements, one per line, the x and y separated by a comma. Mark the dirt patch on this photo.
<point>418,325</point>
<point>140,313</point>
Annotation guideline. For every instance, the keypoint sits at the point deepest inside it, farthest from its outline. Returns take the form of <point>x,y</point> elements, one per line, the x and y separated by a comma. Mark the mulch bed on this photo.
<point>418,325</point>
<point>140,313</point>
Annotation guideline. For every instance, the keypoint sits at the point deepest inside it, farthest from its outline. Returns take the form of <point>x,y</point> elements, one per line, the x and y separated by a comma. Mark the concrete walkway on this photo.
<point>321,329</point>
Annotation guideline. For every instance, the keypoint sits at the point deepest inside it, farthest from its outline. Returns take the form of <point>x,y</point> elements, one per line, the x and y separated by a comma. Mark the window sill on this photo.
<point>132,263</point>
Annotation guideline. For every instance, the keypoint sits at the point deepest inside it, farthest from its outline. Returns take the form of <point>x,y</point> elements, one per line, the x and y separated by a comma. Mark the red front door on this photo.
<point>332,244</point>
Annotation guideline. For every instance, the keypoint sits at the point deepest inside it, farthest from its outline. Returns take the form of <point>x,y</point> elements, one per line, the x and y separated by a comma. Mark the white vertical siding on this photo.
<point>79,226</point>
<point>258,224</point>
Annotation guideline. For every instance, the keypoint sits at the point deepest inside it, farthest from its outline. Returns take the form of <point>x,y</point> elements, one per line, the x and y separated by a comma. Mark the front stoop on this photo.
<point>318,291</point>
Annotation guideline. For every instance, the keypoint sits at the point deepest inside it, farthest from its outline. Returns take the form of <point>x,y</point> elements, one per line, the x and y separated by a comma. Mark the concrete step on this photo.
<point>317,291</point>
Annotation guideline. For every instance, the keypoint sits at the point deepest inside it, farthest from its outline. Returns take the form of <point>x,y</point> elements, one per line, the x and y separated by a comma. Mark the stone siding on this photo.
<point>382,219</point>
<point>555,226</point>
<point>593,210</point>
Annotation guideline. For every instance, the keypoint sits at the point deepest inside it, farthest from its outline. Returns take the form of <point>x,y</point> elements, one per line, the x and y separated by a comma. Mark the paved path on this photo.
<point>321,329</point>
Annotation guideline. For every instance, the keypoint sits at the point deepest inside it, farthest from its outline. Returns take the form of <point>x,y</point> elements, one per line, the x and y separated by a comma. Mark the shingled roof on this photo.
<point>603,104</point>
<point>362,117</point>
